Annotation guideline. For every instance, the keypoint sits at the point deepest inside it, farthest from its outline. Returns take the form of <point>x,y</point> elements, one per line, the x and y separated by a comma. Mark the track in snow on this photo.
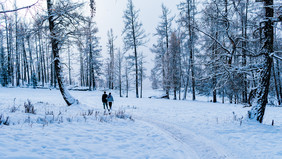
<point>195,145</point>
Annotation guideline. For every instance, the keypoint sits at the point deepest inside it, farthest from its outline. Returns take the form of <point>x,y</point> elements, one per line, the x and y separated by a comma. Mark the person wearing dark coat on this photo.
<point>110,100</point>
<point>105,101</point>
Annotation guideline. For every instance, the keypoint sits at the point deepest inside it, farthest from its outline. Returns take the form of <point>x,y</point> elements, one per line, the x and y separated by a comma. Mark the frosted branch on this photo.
<point>15,10</point>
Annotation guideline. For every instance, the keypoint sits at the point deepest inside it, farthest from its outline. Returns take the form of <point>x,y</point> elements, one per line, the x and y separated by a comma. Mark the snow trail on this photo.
<point>197,146</point>
<point>186,149</point>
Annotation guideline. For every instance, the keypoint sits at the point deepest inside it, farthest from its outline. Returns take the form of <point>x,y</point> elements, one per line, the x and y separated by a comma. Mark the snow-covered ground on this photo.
<point>151,128</point>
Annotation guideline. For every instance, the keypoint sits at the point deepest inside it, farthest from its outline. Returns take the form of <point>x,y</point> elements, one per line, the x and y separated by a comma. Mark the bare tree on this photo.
<point>111,51</point>
<point>134,36</point>
<point>161,49</point>
<point>120,60</point>
<point>187,21</point>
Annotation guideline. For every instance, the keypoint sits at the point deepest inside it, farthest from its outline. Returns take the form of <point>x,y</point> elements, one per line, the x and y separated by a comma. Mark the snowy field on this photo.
<point>149,128</point>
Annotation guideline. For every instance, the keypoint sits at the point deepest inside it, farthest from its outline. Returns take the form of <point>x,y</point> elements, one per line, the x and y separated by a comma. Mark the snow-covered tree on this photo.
<point>63,18</point>
<point>257,111</point>
<point>111,51</point>
<point>187,21</point>
<point>134,36</point>
<point>174,63</point>
<point>163,32</point>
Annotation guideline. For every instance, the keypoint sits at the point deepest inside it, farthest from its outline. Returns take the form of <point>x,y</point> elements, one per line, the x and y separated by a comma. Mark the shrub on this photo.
<point>122,115</point>
<point>29,108</point>
<point>14,108</point>
<point>235,118</point>
<point>3,120</point>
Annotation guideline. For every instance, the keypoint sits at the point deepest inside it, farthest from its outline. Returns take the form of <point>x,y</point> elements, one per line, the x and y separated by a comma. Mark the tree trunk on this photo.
<point>55,50</point>
<point>127,81</point>
<point>44,64</point>
<point>279,80</point>
<point>47,61</point>
<point>26,68</point>
<point>191,34</point>
<point>136,66</point>
<point>9,67</point>
<point>119,72</point>
<point>174,93</point>
<point>11,56</point>
<point>41,59</point>
<point>244,45</point>
<point>141,82</point>
<point>187,79</point>
<point>223,95</point>
<point>18,71</point>
<point>69,64</point>
<point>30,58</point>
<point>257,111</point>
<point>276,85</point>
<point>3,67</point>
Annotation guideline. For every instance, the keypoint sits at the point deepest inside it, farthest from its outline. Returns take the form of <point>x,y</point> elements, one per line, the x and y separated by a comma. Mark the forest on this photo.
<point>228,49</point>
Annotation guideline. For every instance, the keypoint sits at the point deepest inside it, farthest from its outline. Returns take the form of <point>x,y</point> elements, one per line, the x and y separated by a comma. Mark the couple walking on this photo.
<point>107,99</point>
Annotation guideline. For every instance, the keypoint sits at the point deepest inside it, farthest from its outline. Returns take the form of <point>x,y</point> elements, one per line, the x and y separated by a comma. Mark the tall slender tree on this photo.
<point>161,49</point>
<point>134,36</point>
<point>175,63</point>
<point>111,51</point>
<point>187,21</point>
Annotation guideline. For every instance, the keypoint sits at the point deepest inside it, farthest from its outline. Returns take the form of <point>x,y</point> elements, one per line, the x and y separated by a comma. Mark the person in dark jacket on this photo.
<point>105,101</point>
<point>110,100</point>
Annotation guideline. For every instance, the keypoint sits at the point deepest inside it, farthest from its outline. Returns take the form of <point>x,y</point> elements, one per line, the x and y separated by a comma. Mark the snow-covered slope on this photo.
<point>158,128</point>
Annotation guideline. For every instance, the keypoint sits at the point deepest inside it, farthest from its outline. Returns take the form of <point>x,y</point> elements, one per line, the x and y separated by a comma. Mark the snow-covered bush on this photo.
<point>235,118</point>
<point>122,115</point>
<point>88,113</point>
<point>3,120</point>
<point>14,108</point>
<point>29,107</point>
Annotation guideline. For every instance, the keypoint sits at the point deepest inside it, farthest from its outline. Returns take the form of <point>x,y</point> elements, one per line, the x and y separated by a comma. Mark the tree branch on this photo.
<point>276,56</point>
<point>224,48</point>
<point>14,10</point>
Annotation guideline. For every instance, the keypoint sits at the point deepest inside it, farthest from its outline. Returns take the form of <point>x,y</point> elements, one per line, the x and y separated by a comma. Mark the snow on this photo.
<point>159,128</point>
